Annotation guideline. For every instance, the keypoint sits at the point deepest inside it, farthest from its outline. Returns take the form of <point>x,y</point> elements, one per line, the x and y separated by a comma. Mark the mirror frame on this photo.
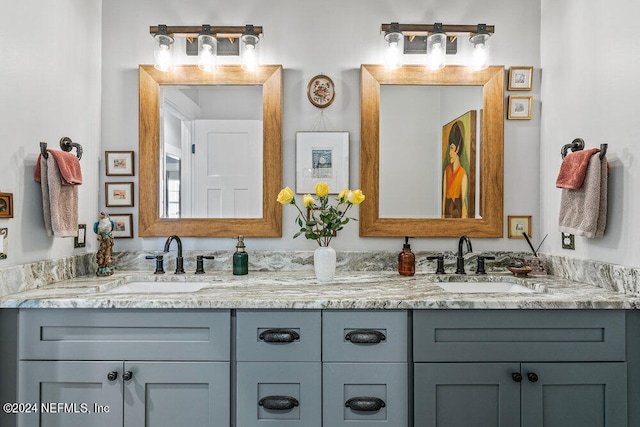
<point>149,222</point>
<point>491,156</point>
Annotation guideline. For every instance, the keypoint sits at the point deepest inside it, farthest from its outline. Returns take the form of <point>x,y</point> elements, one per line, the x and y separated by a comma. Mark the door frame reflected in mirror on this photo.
<point>149,222</point>
<point>490,223</point>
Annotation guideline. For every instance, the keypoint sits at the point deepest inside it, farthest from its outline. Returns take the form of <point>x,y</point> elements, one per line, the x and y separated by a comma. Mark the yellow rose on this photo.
<point>285,196</point>
<point>355,197</point>
<point>343,195</point>
<point>308,200</point>
<point>322,189</point>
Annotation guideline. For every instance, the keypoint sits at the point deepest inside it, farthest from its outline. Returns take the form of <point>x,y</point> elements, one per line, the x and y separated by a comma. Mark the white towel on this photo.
<point>59,202</point>
<point>583,212</point>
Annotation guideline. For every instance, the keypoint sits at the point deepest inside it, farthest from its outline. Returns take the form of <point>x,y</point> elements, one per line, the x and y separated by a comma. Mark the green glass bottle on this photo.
<point>240,259</point>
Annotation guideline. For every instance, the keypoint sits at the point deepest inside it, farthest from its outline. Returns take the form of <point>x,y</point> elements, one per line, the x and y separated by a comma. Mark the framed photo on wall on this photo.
<point>520,107</point>
<point>518,225</point>
<point>119,194</point>
<point>321,91</point>
<point>4,242</point>
<point>322,157</point>
<point>520,78</point>
<point>6,205</point>
<point>119,163</point>
<point>123,226</point>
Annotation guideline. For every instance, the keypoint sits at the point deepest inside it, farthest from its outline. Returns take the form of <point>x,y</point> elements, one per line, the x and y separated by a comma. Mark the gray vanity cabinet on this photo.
<point>526,368</point>
<point>125,367</point>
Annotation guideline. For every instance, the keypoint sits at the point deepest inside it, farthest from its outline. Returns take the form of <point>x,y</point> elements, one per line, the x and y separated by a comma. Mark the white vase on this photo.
<point>324,263</point>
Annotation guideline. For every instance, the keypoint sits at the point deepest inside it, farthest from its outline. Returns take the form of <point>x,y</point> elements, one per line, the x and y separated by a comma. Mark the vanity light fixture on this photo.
<point>395,47</point>
<point>207,50</point>
<point>212,41</point>
<point>438,37</point>
<point>163,49</point>
<point>436,48</point>
<point>249,51</point>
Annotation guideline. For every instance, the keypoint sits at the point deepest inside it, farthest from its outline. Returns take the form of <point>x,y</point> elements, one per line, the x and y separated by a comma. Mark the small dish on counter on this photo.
<point>520,271</point>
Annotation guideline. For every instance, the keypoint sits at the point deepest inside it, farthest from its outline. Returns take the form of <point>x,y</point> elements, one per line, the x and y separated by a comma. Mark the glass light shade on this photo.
<point>481,52</point>
<point>394,50</point>
<point>163,52</point>
<point>250,52</point>
<point>207,52</point>
<point>436,51</point>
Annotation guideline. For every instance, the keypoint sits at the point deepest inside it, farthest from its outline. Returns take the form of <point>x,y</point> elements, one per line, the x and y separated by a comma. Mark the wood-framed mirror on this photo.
<point>151,223</point>
<point>487,220</point>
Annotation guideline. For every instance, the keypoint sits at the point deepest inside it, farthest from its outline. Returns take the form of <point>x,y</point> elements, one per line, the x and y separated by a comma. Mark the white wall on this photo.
<point>591,88</point>
<point>332,37</point>
<point>49,88</point>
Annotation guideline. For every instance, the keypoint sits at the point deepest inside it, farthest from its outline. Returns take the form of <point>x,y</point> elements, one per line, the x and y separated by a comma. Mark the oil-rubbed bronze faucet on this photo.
<point>460,258</point>
<point>179,259</point>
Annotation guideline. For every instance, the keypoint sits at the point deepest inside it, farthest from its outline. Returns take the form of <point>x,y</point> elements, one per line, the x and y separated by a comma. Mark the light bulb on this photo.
<point>163,52</point>
<point>480,57</point>
<point>207,50</point>
<point>249,58</point>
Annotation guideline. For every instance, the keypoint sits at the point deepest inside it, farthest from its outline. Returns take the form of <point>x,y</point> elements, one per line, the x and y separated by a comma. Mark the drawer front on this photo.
<point>518,335</point>
<point>79,334</point>
<point>362,393</point>
<point>273,392</point>
<point>273,336</point>
<point>364,336</point>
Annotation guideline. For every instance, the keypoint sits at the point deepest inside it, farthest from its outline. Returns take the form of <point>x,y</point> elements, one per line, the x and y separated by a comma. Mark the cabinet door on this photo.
<point>466,395</point>
<point>70,394</point>
<point>170,394</point>
<point>574,394</point>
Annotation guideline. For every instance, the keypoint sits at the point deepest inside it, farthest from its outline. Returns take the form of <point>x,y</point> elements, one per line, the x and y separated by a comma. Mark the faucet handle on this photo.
<point>481,259</point>
<point>439,263</point>
<point>159,266</point>
<point>200,263</point>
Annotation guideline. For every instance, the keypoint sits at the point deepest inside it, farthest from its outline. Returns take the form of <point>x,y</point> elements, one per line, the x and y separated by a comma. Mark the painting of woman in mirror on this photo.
<point>458,165</point>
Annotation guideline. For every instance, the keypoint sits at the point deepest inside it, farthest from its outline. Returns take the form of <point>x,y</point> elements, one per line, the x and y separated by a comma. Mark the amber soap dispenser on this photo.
<point>406,260</point>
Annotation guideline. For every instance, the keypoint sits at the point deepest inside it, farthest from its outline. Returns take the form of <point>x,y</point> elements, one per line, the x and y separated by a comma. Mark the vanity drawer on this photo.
<point>518,335</point>
<point>363,393</point>
<point>272,392</point>
<point>273,336</point>
<point>100,334</point>
<point>364,336</point>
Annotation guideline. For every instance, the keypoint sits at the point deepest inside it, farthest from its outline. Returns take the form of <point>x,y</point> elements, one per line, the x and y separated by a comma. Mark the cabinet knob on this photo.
<point>365,336</point>
<point>278,403</point>
<point>112,376</point>
<point>517,376</point>
<point>533,377</point>
<point>279,335</point>
<point>369,404</point>
<point>127,375</point>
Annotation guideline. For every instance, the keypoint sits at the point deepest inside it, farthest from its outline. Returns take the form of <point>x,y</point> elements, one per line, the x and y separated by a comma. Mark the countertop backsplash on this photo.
<point>34,275</point>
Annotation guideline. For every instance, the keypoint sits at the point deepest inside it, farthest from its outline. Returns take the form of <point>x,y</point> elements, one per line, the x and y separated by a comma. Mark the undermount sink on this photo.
<point>157,287</point>
<point>485,287</point>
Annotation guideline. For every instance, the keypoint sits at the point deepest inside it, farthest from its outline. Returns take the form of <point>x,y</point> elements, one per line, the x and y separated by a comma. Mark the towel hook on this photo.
<point>578,144</point>
<point>66,144</point>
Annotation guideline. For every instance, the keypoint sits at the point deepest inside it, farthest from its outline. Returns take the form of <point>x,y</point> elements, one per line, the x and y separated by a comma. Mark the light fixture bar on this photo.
<point>426,29</point>
<point>217,31</point>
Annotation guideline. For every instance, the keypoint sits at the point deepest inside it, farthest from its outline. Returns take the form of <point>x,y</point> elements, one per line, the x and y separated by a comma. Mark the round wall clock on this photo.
<point>321,91</point>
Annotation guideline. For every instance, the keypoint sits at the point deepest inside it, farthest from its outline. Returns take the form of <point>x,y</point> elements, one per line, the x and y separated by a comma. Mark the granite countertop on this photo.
<point>300,290</point>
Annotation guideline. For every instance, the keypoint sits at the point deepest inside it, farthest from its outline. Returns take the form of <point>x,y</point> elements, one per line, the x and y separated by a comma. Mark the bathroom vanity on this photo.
<point>380,350</point>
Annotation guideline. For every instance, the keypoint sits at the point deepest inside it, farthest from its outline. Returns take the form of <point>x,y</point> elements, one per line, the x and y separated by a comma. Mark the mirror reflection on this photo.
<point>434,132</point>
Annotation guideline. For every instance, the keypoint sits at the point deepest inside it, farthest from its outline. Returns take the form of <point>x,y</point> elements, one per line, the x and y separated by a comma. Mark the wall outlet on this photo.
<point>568,241</point>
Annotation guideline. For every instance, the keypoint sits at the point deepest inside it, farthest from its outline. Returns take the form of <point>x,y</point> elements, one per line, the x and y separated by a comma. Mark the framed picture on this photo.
<point>6,205</point>
<point>520,78</point>
<point>81,238</point>
<point>321,91</point>
<point>4,242</point>
<point>322,157</point>
<point>519,225</point>
<point>119,194</point>
<point>459,167</point>
<point>123,226</point>
<point>119,163</point>
<point>520,107</point>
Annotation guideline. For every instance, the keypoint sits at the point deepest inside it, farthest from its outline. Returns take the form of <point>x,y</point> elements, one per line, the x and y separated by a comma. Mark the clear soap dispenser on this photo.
<point>240,259</point>
<point>406,260</point>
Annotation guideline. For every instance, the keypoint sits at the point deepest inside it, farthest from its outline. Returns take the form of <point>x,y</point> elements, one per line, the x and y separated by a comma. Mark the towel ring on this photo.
<point>66,144</point>
<point>578,144</point>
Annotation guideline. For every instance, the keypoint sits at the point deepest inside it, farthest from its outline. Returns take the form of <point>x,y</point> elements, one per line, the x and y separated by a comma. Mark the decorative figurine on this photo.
<point>103,229</point>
